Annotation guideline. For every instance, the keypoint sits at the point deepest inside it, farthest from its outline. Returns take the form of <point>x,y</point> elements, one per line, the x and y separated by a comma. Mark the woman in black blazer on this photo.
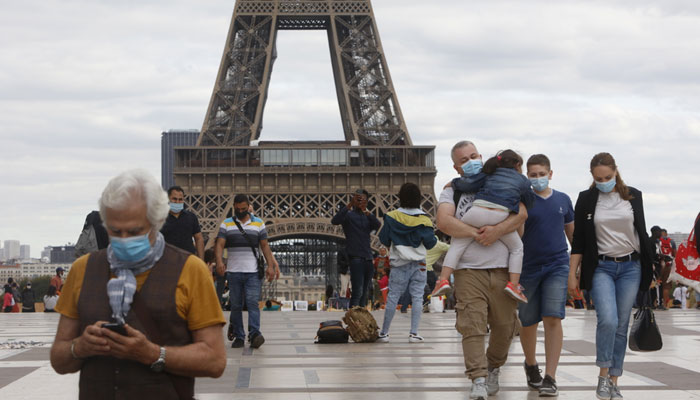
<point>614,253</point>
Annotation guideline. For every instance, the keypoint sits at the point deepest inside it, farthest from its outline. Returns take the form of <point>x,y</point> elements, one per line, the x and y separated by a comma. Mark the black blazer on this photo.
<point>585,241</point>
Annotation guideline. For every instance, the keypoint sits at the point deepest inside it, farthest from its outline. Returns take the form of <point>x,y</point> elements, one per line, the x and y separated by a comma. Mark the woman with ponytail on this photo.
<point>613,251</point>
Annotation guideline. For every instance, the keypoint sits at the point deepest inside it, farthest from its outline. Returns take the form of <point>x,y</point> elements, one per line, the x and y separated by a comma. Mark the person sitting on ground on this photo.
<point>499,188</point>
<point>50,299</point>
<point>408,232</point>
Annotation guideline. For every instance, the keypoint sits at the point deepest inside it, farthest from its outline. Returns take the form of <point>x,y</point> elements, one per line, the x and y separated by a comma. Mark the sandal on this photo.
<point>230,332</point>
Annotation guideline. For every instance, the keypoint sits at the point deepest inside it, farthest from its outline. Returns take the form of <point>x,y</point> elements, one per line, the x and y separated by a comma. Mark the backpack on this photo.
<point>331,332</point>
<point>666,248</point>
<point>362,326</point>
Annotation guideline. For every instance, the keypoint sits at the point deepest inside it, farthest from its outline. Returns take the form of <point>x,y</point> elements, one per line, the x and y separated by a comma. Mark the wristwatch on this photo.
<point>159,365</point>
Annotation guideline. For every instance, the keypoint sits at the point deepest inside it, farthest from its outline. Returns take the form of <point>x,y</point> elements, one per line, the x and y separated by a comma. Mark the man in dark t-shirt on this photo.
<point>182,226</point>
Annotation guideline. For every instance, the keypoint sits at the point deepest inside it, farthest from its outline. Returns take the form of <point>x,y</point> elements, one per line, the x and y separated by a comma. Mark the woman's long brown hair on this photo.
<point>607,160</point>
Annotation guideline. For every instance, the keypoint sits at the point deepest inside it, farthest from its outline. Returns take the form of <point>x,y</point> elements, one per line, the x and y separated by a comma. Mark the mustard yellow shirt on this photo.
<point>195,296</point>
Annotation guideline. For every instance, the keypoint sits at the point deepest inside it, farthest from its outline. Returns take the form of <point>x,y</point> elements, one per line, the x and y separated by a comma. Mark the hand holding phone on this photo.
<point>115,327</point>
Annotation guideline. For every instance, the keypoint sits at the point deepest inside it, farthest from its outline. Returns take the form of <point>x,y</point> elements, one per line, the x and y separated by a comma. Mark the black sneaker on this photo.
<point>257,340</point>
<point>237,343</point>
<point>549,387</point>
<point>533,375</point>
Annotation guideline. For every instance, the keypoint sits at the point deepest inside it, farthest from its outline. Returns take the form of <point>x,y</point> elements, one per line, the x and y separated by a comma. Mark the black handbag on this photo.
<point>645,334</point>
<point>258,257</point>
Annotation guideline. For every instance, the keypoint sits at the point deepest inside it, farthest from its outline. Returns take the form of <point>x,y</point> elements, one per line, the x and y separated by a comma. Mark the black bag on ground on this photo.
<point>331,332</point>
<point>645,334</point>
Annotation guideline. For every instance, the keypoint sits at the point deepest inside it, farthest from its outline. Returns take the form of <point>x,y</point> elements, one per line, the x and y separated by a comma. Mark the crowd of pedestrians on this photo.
<point>507,266</point>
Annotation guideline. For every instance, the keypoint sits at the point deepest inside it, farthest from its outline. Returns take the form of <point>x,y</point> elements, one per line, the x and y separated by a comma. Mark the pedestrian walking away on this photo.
<point>408,232</point>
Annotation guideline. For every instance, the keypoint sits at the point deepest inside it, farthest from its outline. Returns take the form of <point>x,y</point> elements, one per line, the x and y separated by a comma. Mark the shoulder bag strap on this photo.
<point>180,383</point>
<point>245,235</point>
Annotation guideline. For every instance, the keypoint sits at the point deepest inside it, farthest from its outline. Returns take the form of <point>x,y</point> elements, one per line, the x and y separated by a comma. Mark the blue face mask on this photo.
<point>176,207</point>
<point>130,249</point>
<point>540,184</point>
<point>472,167</point>
<point>606,187</point>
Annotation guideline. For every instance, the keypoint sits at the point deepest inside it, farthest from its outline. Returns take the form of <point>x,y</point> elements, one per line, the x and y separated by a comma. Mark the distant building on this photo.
<point>2,255</point>
<point>10,271</point>
<point>32,270</point>
<point>679,237</point>
<point>24,252</point>
<point>62,254</point>
<point>169,139</point>
<point>46,254</point>
<point>11,250</point>
<point>301,287</point>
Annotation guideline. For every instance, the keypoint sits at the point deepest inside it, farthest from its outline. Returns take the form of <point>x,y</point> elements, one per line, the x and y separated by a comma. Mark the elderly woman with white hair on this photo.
<point>140,310</point>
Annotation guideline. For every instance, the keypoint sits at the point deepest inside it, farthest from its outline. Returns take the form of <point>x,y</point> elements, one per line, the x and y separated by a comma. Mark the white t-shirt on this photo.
<point>476,256</point>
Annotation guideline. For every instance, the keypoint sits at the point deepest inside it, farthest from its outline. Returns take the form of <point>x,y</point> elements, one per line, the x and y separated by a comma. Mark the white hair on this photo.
<point>136,184</point>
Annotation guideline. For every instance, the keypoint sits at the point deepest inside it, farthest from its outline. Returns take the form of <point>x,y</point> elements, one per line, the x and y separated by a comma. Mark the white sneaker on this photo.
<point>413,338</point>
<point>492,386</point>
<point>383,337</point>
<point>478,390</point>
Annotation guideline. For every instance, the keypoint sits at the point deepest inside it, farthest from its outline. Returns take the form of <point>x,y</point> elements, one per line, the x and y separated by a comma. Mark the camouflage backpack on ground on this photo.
<point>362,326</point>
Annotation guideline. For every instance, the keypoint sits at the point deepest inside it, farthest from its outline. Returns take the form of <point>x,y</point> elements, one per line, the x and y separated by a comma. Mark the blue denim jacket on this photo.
<point>505,187</point>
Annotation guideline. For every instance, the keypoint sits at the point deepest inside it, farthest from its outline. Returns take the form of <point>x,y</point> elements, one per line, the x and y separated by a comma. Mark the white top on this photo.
<point>50,302</point>
<point>476,256</point>
<point>614,226</point>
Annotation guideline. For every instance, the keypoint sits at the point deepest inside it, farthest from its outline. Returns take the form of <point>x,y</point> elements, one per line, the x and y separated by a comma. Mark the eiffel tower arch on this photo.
<point>297,186</point>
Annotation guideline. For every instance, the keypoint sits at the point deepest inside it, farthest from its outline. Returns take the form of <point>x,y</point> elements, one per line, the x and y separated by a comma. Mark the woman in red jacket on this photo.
<point>8,299</point>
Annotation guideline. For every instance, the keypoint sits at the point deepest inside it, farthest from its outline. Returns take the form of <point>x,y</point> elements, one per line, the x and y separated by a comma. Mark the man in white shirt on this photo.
<point>479,279</point>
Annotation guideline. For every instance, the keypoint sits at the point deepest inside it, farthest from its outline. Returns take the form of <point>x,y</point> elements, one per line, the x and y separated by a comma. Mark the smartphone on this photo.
<point>115,327</point>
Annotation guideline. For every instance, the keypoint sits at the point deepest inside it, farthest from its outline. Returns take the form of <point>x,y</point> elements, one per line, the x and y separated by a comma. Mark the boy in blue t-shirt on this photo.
<point>545,272</point>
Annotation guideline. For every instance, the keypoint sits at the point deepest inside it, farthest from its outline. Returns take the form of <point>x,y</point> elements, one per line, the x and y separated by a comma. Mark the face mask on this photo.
<point>606,187</point>
<point>240,215</point>
<point>472,167</point>
<point>130,249</point>
<point>539,184</point>
<point>176,207</point>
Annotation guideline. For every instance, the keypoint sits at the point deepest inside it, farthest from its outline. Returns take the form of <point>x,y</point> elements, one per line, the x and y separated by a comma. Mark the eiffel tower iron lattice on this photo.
<point>296,187</point>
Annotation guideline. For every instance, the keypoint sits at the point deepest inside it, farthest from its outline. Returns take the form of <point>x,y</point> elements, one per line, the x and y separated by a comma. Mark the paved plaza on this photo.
<point>290,367</point>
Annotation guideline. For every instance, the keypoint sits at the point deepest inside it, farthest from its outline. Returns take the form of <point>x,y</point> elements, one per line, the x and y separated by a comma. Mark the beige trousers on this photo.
<point>481,301</point>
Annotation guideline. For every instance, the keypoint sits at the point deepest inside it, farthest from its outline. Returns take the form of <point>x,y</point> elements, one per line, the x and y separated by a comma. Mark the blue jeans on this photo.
<point>244,286</point>
<point>412,276</point>
<point>361,272</point>
<point>614,289</point>
<point>545,289</point>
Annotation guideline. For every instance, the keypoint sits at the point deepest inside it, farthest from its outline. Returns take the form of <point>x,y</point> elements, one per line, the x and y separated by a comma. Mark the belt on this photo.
<point>630,257</point>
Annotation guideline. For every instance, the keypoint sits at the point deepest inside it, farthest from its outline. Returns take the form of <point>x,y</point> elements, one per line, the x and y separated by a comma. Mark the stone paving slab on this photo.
<point>290,367</point>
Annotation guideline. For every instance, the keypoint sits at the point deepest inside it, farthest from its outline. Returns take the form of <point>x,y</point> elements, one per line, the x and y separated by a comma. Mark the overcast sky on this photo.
<point>86,88</point>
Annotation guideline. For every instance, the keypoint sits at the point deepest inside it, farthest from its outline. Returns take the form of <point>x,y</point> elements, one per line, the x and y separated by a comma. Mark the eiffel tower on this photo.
<point>296,187</point>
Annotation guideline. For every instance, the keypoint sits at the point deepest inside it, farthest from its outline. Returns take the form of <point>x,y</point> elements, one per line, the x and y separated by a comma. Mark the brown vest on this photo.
<point>109,378</point>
